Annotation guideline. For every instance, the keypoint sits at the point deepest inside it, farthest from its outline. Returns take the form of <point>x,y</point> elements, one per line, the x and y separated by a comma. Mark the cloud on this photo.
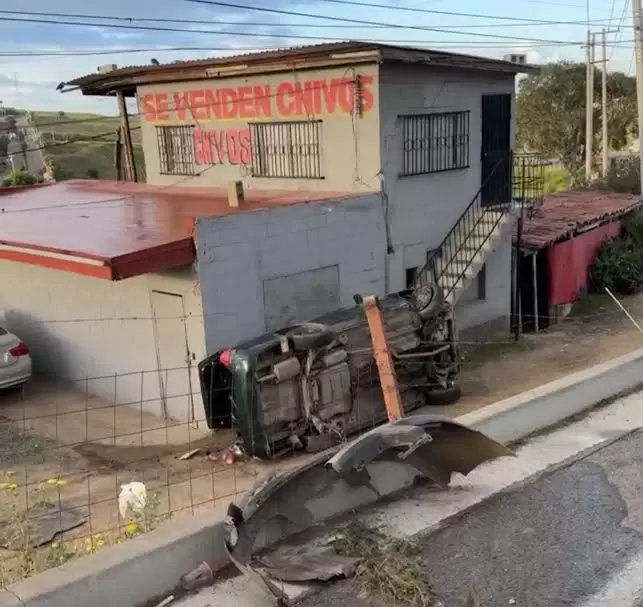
<point>109,34</point>
<point>39,75</point>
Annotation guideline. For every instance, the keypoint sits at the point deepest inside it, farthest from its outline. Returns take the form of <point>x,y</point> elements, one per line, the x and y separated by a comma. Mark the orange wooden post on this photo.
<point>382,355</point>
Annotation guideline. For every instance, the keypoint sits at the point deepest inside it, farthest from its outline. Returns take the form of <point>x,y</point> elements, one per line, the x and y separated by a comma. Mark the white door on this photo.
<point>173,356</point>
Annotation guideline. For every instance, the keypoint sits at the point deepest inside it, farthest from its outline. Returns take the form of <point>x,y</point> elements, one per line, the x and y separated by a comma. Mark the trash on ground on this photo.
<point>189,454</point>
<point>166,601</point>
<point>199,576</point>
<point>132,498</point>
<point>40,524</point>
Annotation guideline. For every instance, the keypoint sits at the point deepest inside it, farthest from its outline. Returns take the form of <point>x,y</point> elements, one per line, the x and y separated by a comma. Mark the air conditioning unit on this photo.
<point>516,58</point>
<point>106,69</point>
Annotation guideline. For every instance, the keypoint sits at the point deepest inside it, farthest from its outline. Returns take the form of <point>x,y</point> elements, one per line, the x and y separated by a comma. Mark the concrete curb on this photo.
<point>149,566</point>
<point>529,412</point>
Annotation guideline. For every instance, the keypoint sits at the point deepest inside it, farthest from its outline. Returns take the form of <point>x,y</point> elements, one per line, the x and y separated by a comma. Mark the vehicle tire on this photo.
<point>309,336</point>
<point>427,300</point>
<point>442,397</point>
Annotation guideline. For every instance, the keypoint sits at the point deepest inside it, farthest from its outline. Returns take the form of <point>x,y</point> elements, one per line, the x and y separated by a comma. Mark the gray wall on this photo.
<point>334,249</point>
<point>423,208</point>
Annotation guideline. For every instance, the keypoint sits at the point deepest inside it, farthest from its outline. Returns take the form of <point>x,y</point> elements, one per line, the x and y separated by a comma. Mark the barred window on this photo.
<point>287,149</point>
<point>435,142</point>
<point>176,150</point>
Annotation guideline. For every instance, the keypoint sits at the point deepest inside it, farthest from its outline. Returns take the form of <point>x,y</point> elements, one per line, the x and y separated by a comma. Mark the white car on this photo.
<point>15,362</point>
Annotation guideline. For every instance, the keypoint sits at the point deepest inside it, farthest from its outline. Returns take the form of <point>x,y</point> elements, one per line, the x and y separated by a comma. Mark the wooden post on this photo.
<point>534,266</point>
<point>382,355</point>
<point>118,155</point>
<point>127,138</point>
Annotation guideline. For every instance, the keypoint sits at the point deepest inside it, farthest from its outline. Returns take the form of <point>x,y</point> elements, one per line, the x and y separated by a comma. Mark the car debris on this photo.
<point>339,480</point>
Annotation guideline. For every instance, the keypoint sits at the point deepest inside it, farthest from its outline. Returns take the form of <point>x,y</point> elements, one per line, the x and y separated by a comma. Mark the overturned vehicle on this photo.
<point>313,384</point>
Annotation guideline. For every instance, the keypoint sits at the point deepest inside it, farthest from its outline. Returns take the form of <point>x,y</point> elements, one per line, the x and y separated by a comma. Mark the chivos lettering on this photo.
<point>287,99</point>
<point>222,146</point>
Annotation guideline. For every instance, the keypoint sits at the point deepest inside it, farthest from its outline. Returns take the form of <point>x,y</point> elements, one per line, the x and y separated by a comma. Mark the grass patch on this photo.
<point>475,355</point>
<point>594,304</point>
<point>390,571</point>
<point>70,138</point>
<point>557,179</point>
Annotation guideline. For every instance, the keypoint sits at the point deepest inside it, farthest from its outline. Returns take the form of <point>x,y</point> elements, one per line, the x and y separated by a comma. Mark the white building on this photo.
<point>358,160</point>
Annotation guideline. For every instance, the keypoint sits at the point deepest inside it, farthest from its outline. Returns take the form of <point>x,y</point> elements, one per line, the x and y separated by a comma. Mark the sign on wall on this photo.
<point>222,146</point>
<point>289,99</point>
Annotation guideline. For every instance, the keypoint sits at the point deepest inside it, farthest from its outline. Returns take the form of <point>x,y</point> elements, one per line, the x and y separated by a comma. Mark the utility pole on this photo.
<point>589,107</point>
<point>638,48</point>
<point>605,148</point>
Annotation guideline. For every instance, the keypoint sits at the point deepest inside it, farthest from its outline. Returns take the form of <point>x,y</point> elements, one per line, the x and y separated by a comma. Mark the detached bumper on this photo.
<point>339,481</point>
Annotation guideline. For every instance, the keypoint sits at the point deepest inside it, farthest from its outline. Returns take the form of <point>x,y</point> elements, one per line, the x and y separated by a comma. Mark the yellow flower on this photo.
<point>55,545</point>
<point>57,482</point>
<point>99,542</point>
<point>132,528</point>
<point>11,486</point>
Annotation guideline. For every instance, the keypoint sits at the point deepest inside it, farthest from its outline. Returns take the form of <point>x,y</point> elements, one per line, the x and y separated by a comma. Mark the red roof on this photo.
<point>563,214</point>
<point>115,230</point>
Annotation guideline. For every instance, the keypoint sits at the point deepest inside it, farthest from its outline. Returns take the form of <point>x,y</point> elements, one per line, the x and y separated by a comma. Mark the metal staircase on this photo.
<point>482,225</point>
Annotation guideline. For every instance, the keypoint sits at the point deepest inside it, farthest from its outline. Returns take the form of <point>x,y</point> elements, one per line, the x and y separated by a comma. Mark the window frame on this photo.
<point>185,165</point>
<point>451,131</point>
<point>285,164</point>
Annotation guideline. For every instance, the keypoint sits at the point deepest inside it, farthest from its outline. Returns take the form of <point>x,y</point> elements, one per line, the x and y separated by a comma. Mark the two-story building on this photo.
<point>364,162</point>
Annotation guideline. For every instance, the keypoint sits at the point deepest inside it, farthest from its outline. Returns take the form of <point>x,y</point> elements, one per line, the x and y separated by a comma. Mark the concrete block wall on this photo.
<point>477,318</point>
<point>236,254</point>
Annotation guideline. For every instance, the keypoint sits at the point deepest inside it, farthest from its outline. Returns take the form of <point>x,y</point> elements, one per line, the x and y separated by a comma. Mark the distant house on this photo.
<point>558,246</point>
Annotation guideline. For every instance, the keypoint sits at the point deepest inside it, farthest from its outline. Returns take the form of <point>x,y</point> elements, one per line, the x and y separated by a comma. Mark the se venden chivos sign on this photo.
<point>286,100</point>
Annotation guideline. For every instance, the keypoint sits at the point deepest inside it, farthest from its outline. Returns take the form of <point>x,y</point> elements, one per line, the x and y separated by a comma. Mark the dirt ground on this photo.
<point>50,432</point>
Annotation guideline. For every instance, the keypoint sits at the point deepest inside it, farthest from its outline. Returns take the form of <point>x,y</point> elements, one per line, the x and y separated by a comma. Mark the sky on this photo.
<point>36,57</point>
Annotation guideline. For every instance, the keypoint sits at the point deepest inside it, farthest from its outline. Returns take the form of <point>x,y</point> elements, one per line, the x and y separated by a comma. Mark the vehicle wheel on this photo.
<point>427,300</point>
<point>309,336</point>
<point>441,397</point>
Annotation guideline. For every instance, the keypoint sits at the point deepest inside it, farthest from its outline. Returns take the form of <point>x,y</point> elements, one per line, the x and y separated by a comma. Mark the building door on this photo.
<point>173,356</point>
<point>495,153</point>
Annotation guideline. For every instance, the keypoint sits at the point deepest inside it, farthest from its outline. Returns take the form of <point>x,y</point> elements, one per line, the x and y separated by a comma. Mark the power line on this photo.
<point>95,52</point>
<point>620,27</point>
<point>512,21</point>
<point>84,139</point>
<point>521,39</point>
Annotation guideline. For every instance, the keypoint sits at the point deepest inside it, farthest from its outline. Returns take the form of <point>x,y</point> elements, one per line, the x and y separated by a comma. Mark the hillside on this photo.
<point>73,140</point>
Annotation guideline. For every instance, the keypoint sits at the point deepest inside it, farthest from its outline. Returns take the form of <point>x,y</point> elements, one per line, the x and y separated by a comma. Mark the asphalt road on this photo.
<point>571,537</point>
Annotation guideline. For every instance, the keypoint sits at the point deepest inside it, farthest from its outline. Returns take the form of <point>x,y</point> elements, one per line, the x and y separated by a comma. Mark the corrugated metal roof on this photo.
<point>121,225</point>
<point>565,213</point>
<point>125,76</point>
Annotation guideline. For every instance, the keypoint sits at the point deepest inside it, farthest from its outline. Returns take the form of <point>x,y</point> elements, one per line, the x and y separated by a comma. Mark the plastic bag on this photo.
<point>132,498</point>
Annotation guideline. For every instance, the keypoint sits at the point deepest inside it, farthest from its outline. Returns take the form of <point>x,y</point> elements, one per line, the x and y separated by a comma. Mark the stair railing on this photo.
<point>457,238</point>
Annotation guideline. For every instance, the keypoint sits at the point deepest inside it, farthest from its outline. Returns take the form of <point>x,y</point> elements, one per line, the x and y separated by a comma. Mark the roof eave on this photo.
<point>455,61</point>
<point>127,79</point>
<point>107,84</point>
